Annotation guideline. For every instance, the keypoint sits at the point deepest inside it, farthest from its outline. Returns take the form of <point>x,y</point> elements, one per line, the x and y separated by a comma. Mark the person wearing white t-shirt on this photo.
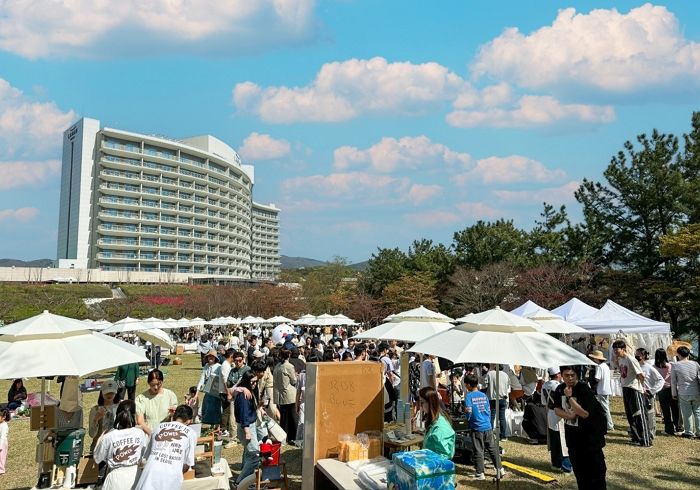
<point>170,453</point>
<point>603,388</point>
<point>428,376</point>
<point>122,449</point>
<point>632,381</point>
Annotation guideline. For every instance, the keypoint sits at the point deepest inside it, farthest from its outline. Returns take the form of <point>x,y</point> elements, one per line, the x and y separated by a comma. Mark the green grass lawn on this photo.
<point>671,463</point>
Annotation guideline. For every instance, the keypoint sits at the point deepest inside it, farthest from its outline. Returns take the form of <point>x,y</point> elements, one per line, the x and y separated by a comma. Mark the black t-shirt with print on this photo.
<point>588,433</point>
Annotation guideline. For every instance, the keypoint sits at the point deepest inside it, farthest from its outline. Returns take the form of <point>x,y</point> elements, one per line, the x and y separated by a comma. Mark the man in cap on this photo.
<point>603,387</point>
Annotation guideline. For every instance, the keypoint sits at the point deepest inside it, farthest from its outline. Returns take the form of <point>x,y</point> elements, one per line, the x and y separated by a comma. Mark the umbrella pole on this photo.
<point>498,424</point>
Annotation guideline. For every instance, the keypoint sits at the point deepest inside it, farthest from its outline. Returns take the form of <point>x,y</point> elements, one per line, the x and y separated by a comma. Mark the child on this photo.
<point>4,429</point>
<point>170,453</point>
<point>478,413</point>
<point>192,401</point>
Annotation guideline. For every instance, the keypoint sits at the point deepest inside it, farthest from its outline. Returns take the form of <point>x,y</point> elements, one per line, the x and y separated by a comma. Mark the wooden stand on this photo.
<point>341,398</point>
<point>208,453</point>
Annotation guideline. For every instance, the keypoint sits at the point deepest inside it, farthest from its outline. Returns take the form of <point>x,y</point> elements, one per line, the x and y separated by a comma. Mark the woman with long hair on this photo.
<point>122,448</point>
<point>16,394</point>
<point>669,406</point>
<point>439,434</point>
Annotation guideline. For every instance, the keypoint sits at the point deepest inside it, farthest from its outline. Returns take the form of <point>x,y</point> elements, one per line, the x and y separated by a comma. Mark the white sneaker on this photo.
<point>480,476</point>
<point>501,472</point>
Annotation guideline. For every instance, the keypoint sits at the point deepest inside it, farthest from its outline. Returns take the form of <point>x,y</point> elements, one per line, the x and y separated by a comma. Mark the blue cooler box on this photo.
<point>423,469</point>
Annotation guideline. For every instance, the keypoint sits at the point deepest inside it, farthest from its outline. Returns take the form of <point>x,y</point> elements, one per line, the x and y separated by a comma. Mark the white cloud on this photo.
<point>89,28</point>
<point>347,184</point>
<point>529,111</point>
<point>263,147</point>
<point>18,174</point>
<point>419,193</point>
<point>477,210</point>
<point>391,154</point>
<point>18,214</point>
<point>343,90</point>
<point>510,169</point>
<point>560,194</point>
<point>29,127</point>
<point>604,49</point>
<point>461,213</point>
<point>434,218</point>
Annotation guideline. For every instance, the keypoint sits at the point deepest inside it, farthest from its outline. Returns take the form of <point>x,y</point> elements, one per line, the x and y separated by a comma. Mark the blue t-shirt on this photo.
<point>478,411</point>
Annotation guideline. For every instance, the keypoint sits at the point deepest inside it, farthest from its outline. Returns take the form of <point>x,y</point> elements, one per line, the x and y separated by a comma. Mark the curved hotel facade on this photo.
<point>144,203</point>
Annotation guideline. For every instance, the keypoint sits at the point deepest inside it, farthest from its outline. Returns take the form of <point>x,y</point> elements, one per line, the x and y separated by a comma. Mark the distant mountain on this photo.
<point>26,263</point>
<point>307,263</point>
<point>360,266</point>
<point>300,262</point>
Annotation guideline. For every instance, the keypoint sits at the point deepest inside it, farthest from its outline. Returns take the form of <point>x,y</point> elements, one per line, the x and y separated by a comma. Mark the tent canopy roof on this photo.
<point>613,318</point>
<point>574,310</point>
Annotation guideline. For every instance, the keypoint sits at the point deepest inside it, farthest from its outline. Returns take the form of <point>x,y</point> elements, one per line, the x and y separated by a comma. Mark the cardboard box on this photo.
<point>341,398</point>
<point>48,421</point>
<point>88,472</point>
<point>189,474</point>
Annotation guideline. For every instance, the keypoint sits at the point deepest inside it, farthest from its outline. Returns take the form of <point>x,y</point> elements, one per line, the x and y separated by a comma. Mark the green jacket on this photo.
<point>440,438</point>
<point>127,373</point>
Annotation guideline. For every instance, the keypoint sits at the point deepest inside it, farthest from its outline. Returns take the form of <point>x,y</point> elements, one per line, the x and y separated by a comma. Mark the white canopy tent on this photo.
<point>304,320</point>
<point>574,310</point>
<point>420,313</point>
<point>405,331</point>
<point>639,331</point>
<point>550,322</point>
<point>279,319</point>
<point>526,309</point>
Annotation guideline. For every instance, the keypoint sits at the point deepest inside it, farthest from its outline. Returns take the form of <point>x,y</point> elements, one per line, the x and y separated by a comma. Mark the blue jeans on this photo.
<point>251,452</point>
<point>502,404</point>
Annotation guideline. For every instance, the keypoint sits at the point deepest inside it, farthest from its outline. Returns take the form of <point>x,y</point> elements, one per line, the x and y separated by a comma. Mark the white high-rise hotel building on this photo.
<point>145,203</point>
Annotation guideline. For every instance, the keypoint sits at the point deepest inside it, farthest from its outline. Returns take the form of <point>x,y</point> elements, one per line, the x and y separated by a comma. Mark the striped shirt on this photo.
<point>685,378</point>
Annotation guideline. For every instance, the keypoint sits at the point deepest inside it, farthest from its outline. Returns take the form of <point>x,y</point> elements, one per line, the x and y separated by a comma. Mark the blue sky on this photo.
<point>370,124</point>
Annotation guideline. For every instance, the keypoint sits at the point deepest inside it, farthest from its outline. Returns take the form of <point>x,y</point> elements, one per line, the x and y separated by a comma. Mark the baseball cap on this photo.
<point>553,371</point>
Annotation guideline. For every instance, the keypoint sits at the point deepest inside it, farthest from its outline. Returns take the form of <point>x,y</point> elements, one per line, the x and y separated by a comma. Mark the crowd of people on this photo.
<point>249,385</point>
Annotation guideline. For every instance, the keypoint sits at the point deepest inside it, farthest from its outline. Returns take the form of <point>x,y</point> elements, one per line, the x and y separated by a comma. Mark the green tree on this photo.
<point>410,291</point>
<point>690,167</point>
<point>685,245</point>
<point>640,202</point>
<point>487,243</point>
<point>383,268</point>
<point>548,239</point>
<point>323,281</point>
<point>435,260</point>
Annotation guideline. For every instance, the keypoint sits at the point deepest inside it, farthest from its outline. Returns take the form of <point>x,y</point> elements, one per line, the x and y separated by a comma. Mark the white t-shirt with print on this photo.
<point>123,447</point>
<point>172,446</point>
<point>629,369</point>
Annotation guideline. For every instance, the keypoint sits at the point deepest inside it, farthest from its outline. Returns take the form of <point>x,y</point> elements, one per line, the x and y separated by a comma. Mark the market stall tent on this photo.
<point>614,319</point>
<point>574,309</point>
